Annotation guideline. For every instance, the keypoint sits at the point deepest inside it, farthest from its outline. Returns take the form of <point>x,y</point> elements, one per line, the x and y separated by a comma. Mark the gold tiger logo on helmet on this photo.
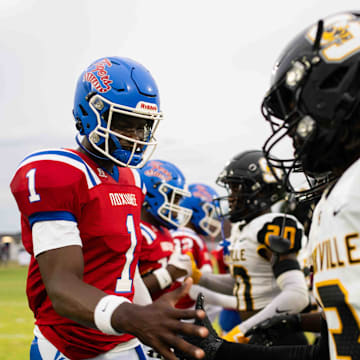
<point>340,39</point>
<point>336,35</point>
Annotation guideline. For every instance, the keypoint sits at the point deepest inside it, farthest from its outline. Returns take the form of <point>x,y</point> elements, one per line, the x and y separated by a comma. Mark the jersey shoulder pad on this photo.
<point>281,233</point>
<point>51,180</point>
<point>59,165</point>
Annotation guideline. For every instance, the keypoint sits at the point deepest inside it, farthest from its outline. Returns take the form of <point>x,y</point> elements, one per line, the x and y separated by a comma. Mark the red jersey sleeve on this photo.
<point>48,187</point>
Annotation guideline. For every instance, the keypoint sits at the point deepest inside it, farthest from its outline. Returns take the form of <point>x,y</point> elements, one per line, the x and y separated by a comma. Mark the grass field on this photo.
<point>16,320</point>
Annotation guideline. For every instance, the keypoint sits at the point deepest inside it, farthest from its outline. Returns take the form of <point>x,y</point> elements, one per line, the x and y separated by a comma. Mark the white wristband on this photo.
<point>163,277</point>
<point>104,310</point>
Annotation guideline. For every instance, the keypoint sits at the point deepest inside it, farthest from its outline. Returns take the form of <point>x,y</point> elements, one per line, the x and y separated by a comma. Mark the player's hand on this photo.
<point>159,324</point>
<point>269,331</point>
<point>235,335</point>
<point>181,261</point>
<point>211,343</point>
<point>195,271</point>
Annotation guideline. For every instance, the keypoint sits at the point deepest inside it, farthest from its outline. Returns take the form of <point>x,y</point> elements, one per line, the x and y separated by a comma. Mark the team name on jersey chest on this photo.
<point>119,199</point>
<point>334,252</point>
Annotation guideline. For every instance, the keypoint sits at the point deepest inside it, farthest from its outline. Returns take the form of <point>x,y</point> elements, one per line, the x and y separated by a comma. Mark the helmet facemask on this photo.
<point>291,127</point>
<point>116,134</point>
<point>170,211</point>
<point>248,199</point>
<point>210,223</point>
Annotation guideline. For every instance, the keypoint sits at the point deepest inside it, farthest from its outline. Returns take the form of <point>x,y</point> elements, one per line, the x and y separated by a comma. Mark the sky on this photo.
<point>211,60</point>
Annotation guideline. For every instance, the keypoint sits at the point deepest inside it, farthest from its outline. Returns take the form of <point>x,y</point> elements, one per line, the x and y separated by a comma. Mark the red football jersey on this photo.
<point>156,248</point>
<point>67,185</point>
<point>191,242</point>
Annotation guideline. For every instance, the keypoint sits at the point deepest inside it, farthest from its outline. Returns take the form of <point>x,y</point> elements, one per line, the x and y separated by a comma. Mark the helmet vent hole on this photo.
<point>83,110</point>
<point>334,79</point>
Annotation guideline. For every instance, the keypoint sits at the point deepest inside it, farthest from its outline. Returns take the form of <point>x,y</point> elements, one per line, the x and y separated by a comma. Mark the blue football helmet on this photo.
<point>165,185</point>
<point>205,213</point>
<point>117,108</point>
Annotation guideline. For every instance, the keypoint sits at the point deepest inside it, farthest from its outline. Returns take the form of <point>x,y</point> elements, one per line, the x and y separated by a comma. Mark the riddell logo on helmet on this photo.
<point>146,107</point>
<point>102,81</point>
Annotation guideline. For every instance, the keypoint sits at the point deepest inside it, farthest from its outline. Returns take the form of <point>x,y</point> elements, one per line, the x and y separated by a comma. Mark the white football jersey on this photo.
<point>334,243</point>
<point>255,281</point>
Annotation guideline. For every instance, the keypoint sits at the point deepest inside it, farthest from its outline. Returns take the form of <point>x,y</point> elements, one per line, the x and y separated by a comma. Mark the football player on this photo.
<point>266,280</point>
<point>161,262</point>
<point>315,95</point>
<point>314,100</point>
<point>80,215</point>
<point>204,222</point>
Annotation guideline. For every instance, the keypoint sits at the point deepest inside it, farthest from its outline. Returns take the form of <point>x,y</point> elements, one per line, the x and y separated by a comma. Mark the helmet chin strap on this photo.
<point>77,138</point>
<point>124,155</point>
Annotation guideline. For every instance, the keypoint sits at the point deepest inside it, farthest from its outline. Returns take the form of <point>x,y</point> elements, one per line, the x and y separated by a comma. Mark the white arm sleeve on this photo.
<point>54,234</point>
<point>294,297</point>
<point>213,298</point>
<point>142,295</point>
<point>223,283</point>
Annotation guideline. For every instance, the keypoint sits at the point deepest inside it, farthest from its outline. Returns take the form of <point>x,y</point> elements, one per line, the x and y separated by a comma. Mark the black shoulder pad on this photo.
<point>279,244</point>
<point>281,236</point>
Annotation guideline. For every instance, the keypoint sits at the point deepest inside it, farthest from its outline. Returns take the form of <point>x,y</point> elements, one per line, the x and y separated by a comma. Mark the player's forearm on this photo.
<point>161,278</point>
<point>151,283</point>
<point>214,298</point>
<point>319,351</point>
<point>223,283</point>
<point>62,274</point>
<point>77,302</point>
<point>230,350</point>
<point>292,299</point>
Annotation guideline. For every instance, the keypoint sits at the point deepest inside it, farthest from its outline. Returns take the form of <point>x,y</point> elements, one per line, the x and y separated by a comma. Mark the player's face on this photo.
<point>131,127</point>
<point>233,195</point>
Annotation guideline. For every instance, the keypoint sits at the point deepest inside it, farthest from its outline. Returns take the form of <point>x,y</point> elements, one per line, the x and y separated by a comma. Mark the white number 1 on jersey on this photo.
<point>124,282</point>
<point>34,196</point>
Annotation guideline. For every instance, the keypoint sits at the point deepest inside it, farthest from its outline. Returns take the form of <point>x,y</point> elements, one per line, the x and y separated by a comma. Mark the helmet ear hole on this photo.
<point>79,126</point>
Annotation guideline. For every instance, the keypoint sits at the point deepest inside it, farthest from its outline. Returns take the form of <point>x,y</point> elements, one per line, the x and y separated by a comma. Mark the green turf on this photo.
<point>16,320</point>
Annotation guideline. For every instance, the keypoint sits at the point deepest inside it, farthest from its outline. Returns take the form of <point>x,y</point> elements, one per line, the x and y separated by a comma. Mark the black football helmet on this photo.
<point>252,186</point>
<point>314,98</point>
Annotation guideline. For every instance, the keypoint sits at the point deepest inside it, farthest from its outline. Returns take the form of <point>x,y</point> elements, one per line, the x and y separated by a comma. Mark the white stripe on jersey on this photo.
<point>66,157</point>
<point>148,234</point>
<point>138,181</point>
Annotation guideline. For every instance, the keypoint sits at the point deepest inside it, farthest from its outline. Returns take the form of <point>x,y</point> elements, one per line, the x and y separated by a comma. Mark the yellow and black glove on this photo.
<point>236,335</point>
